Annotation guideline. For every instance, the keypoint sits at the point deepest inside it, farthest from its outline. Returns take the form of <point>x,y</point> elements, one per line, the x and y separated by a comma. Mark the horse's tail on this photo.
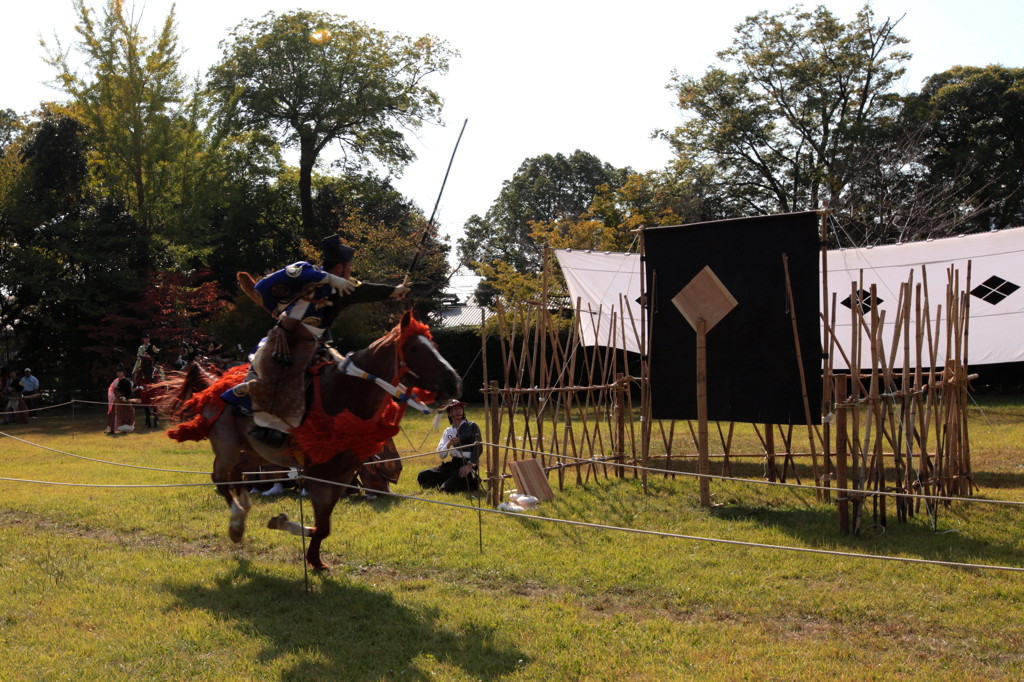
<point>194,390</point>
<point>181,386</point>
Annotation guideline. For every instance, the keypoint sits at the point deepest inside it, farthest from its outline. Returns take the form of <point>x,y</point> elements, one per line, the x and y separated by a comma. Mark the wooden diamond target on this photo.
<point>704,298</point>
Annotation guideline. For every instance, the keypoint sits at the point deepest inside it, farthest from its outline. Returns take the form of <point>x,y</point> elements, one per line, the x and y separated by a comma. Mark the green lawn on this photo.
<point>130,583</point>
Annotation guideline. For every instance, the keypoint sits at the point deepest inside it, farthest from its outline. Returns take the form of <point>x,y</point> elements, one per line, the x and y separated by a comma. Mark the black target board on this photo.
<point>753,372</point>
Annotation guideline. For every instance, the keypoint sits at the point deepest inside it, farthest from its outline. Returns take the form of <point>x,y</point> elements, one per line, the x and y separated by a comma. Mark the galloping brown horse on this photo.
<point>349,420</point>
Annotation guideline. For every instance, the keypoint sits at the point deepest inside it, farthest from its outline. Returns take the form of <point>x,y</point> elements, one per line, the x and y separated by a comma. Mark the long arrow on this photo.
<point>430,223</point>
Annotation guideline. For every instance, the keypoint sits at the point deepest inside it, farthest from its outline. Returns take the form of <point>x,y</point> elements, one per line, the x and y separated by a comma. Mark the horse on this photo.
<point>150,387</point>
<point>348,420</point>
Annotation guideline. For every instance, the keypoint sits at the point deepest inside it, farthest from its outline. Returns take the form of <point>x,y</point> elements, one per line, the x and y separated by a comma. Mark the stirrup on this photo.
<point>269,436</point>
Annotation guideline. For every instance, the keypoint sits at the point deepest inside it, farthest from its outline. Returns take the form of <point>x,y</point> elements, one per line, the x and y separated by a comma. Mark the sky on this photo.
<point>533,77</point>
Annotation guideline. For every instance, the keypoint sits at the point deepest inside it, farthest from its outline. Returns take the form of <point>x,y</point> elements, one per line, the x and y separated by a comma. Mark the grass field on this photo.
<point>142,582</point>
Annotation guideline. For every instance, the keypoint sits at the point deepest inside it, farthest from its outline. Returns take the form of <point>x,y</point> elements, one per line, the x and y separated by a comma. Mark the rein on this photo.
<point>399,392</point>
<point>394,388</point>
<point>321,436</point>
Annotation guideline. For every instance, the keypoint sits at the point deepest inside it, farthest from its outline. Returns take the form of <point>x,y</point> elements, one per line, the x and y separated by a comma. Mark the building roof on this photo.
<point>460,315</point>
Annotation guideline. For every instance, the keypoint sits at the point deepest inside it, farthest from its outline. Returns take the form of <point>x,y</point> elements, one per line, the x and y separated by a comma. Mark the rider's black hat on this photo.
<point>335,251</point>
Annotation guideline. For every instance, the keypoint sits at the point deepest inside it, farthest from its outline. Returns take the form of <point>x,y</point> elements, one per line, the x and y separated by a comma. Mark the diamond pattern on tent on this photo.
<point>994,289</point>
<point>863,301</point>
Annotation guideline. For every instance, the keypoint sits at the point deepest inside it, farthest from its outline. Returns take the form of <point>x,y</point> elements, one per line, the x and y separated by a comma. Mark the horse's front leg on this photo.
<point>323,497</point>
<point>227,471</point>
<point>239,504</point>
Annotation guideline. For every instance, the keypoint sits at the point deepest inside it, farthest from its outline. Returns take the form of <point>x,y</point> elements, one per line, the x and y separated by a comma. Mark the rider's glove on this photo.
<point>340,284</point>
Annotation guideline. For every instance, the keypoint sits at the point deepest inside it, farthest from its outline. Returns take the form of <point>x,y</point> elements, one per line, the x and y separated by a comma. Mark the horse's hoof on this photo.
<point>320,567</point>
<point>236,535</point>
<point>278,522</point>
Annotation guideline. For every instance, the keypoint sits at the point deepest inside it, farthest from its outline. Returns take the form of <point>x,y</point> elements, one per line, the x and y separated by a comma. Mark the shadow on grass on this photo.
<point>65,422</point>
<point>818,527</point>
<point>345,630</point>
<point>1003,480</point>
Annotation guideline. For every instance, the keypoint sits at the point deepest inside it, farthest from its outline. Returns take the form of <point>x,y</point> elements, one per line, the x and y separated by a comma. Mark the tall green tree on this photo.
<point>249,203</point>
<point>546,188</point>
<point>608,223</point>
<point>314,78</point>
<point>972,122</point>
<point>11,132</point>
<point>131,96</point>
<point>9,128</point>
<point>70,254</point>
<point>776,124</point>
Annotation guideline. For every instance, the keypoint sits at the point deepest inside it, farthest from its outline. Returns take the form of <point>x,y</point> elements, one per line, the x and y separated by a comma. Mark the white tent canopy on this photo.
<point>607,287</point>
<point>996,321</point>
<point>610,282</point>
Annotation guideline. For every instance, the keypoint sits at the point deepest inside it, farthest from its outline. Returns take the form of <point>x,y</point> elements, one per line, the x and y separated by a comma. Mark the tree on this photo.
<point>972,120</point>
<point>132,100</point>
<point>607,224</point>
<point>386,229</point>
<point>776,125</point>
<point>172,306</point>
<point>11,131</point>
<point>546,188</point>
<point>10,128</point>
<point>315,78</point>
<point>68,254</point>
<point>249,204</point>
<point>614,213</point>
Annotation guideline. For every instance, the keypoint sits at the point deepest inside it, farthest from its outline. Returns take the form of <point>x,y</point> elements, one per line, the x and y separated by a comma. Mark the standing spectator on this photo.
<point>3,395</point>
<point>30,390</point>
<point>14,404</point>
<point>120,413</point>
<point>182,360</point>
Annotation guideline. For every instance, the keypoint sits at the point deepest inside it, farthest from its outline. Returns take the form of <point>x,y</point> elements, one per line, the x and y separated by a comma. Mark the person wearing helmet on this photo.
<point>305,299</point>
<point>459,449</point>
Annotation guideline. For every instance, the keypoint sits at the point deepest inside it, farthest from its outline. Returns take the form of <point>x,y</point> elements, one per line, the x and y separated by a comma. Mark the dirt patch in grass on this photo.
<point>132,540</point>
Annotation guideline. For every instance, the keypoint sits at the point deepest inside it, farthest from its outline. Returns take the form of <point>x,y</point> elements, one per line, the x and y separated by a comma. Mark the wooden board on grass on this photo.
<point>530,479</point>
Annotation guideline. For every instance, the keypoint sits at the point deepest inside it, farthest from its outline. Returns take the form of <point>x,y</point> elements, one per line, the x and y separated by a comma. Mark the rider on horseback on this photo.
<point>146,350</point>
<point>305,299</point>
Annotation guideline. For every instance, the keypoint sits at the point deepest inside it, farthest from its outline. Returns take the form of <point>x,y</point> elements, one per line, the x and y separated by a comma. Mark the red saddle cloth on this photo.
<point>320,437</point>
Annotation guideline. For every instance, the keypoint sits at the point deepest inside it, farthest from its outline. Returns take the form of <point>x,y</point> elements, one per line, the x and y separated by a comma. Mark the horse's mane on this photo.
<point>399,333</point>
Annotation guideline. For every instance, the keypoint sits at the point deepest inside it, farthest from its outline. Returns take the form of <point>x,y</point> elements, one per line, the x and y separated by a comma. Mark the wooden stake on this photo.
<point>841,388</point>
<point>704,468</point>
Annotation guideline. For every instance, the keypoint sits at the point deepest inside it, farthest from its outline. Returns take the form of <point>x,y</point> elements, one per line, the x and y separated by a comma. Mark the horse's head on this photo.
<point>419,362</point>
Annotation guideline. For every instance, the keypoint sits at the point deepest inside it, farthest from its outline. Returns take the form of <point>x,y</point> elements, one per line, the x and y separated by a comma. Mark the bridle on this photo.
<point>394,388</point>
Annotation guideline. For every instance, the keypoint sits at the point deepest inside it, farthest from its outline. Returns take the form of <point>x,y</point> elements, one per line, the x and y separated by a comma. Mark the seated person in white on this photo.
<point>460,441</point>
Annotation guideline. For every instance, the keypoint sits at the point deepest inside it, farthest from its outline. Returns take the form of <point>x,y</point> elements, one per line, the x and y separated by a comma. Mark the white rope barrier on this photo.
<point>141,485</point>
<point>584,524</point>
<point>681,536</point>
<point>691,474</point>
<point>550,519</point>
<point>99,461</point>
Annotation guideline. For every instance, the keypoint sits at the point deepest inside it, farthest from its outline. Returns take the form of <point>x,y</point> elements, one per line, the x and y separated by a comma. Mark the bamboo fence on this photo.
<point>892,419</point>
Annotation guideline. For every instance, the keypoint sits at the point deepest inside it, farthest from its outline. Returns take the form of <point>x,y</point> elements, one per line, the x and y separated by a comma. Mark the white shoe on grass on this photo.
<point>277,489</point>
